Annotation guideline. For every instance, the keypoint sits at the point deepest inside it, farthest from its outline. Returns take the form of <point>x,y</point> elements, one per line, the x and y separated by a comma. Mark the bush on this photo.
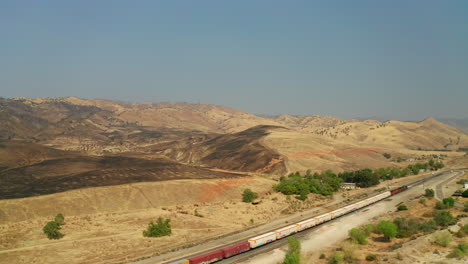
<point>456,253</point>
<point>161,228</point>
<point>387,155</point>
<point>440,205</point>
<point>248,196</point>
<point>406,228</point>
<point>358,235</point>
<point>428,226</point>
<point>466,206</point>
<point>371,257</point>
<point>465,193</point>
<point>294,252</point>
<point>60,219</point>
<point>429,193</point>
<point>442,217</point>
<point>52,230</point>
<point>322,256</point>
<point>337,258</point>
<point>291,258</point>
<point>349,249</point>
<point>463,231</point>
<point>402,207</point>
<point>443,238</point>
<point>388,229</point>
<point>422,201</point>
<point>449,202</point>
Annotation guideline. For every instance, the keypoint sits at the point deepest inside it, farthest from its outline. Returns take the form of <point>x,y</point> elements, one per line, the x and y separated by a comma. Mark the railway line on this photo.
<point>270,245</point>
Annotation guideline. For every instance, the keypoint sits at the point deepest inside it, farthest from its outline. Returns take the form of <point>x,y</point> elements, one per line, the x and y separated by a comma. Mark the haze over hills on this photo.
<point>179,140</point>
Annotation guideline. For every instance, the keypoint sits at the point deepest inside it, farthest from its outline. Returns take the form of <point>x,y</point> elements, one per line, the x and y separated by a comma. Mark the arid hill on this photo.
<point>51,145</point>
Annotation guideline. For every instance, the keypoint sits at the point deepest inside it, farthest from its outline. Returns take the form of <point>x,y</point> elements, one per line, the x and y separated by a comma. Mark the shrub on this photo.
<point>291,258</point>
<point>442,217</point>
<point>402,207</point>
<point>463,231</point>
<point>428,227</point>
<point>440,206</point>
<point>399,256</point>
<point>60,219</point>
<point>456,253</point>
<point>52,230</point>
<point>371,257</point>
<point>358,235</point>
<point>248,196</point>
<point>369,229</point>
<point>322,256</point>
<point>294,252</point>
<point>422,201</point>
<point>443,238</point>
<point>466,206</point>
<point>429,193</point>
<point>406,228</point>
<point>449,202</point>
<point>197,213</point>
<point>387,155</point>
<point>465,193</point>
<point>161,228</point>
<point>337,258</point>
<point>388,229</point>
<point>349,249</point>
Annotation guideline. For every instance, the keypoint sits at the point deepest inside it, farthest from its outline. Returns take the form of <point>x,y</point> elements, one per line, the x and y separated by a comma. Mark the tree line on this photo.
<point>327,182</point>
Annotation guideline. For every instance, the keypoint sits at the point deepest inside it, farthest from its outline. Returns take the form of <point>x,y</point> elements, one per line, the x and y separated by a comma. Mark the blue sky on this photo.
<point>403,59</point>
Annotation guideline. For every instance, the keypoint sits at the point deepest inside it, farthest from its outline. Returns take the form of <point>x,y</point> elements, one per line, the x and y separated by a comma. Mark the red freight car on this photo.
<point>402,188</point>
<point>236,249</point>
<point>207,258</point>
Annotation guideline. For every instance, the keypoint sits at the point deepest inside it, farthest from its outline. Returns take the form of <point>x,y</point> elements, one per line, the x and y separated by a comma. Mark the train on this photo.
<point>263,239</point>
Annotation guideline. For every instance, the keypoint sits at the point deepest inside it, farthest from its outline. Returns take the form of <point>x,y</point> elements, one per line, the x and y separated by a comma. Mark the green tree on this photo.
<point>442,217</point>
<point>60,219</point>
<point>429,193</point>
<point>388,229</point>
<point>248,196</point>
<point>161,228</point>
<point>387,155</point>
<point>52,230</point>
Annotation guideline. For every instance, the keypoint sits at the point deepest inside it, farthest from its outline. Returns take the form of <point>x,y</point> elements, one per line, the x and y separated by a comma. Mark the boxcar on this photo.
<point>262,239</point>
<point>402,188</point>
<point>286,231</point>
<point>207,258</point>
<point>322,218</point>
<point>235,249</point>
<point>306,224</point>
<point>182,261</point>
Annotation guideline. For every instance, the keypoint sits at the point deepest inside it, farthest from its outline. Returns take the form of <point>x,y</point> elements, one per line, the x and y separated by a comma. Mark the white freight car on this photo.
<point>286,231</point>
<point>262,239</point>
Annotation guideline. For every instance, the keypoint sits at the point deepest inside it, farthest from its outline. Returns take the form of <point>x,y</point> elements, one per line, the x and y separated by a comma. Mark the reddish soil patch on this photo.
<point>341,153</point>
<point>212,191</point>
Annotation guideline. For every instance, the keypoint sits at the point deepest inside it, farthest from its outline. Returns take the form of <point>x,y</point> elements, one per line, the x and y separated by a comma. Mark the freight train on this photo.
<point>269,237</point>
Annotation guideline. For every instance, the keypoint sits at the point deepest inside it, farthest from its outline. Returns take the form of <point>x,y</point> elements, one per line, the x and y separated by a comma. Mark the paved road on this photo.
<point>335,231</point>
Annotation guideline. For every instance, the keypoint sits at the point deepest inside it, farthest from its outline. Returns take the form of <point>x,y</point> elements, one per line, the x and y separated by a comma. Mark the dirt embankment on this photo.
<point>105,224</point>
